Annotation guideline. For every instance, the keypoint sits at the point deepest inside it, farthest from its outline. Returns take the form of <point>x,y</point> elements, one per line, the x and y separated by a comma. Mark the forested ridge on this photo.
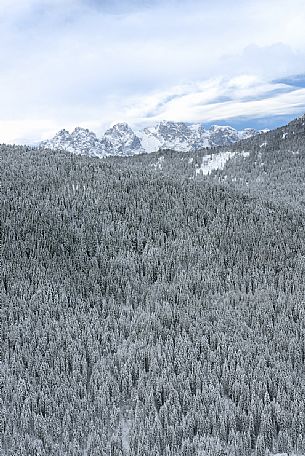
<point>269,166</point>
<point>274,168</point>
<point>146,313</point>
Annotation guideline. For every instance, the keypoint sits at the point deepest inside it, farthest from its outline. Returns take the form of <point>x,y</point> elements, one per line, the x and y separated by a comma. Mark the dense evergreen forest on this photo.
<point>269,166</point>
<point>147,313</point>
<point>274,168</point>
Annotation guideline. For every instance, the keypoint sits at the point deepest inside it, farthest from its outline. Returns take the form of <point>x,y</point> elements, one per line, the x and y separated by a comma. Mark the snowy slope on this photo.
<point>213,162</point>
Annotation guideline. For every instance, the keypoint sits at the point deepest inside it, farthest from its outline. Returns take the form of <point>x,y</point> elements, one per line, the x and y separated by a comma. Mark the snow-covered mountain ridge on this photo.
<point>123,141</point>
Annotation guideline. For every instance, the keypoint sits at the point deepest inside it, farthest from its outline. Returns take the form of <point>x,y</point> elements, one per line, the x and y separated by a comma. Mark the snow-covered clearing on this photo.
<point>213,162</point>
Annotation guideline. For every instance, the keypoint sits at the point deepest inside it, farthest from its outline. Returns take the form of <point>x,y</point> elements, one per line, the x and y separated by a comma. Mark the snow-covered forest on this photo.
<point>145,313</point>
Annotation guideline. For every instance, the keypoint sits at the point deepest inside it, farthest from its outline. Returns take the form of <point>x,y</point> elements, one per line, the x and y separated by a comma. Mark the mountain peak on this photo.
<point>63,133</point>
<point>80,129</point>
<point>221,128</point>
<point>120,139</point>
<point>121,126</point>
<point>63,130</point>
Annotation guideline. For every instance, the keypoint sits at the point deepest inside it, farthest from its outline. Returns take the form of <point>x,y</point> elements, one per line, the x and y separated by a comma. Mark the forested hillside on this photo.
<point>269,166</point>
<point>145,313</point>
<point>274,168</point>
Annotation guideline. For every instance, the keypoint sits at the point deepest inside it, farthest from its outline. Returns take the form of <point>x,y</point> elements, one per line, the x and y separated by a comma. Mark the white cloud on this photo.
<point>245,95</point>
<point>86,62</point>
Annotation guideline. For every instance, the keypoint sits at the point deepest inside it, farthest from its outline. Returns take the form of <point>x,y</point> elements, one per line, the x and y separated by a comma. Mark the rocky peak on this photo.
<point>120,139</point>
<point>119,130</point>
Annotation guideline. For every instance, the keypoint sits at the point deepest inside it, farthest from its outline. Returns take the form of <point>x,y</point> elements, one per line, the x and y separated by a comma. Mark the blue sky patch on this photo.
<point>295,81</point>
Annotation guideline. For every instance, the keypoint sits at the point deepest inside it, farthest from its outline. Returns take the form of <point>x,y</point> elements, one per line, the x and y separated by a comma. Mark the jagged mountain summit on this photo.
<point>118,140</point>
<point>81,140</point>
<point>121,140</point>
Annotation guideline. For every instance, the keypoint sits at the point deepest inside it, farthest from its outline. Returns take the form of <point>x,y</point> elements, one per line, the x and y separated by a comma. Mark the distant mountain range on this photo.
<point>121,140</point>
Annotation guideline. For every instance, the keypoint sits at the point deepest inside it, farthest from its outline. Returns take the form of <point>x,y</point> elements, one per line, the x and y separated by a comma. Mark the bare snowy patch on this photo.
<point>213,162</point>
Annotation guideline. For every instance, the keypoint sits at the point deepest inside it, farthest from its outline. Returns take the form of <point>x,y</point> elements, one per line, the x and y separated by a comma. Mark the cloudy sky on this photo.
<point>92,63</point>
